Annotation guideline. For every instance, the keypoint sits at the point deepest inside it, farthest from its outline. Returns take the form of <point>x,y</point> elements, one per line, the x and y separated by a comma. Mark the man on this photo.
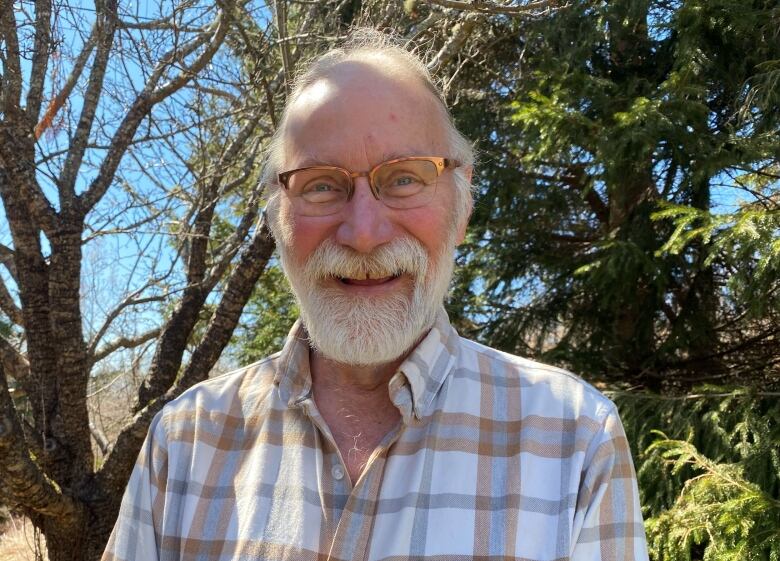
<point>377,432</point>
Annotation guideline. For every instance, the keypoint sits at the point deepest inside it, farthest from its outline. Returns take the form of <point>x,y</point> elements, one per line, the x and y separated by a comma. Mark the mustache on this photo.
<point>400,256</point>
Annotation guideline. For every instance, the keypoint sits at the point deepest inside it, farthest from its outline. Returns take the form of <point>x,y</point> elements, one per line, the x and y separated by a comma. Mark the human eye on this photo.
<point>404,180</point>
<point>403,184</point>
<point>318,188</point>
<point>322,190</point>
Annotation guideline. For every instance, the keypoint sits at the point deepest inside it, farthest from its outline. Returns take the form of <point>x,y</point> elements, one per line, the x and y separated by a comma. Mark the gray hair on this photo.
<point>370,45</point>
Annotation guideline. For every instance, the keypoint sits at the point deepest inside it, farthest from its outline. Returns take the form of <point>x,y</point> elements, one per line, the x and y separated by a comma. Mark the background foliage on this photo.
<point>626,226</point>
<point>708,467</point>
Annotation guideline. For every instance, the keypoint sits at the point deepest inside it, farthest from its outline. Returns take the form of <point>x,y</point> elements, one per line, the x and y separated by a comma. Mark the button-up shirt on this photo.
<point>496,458</point>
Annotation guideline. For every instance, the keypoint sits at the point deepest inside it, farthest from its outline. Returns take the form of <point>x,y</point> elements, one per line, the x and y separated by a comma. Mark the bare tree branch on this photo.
<point>460,34</point>
<point>14,363</point>
<point>146,100</point>
<point>188,72</point>
<point>106,26</point>
<point>280,7</point>
<point>126,343</point>
<point>9,307</point>
<point>33,283</point>
<point>40,59</point>
<point>59,100</point>
<point>175,334</point>
<point>7,258</point>
<point>252,262</point>
<point>250,266</point>
<point>24,481</point>
<point>13,69</point>
<point>537,8</point>
<point>162,24</point>
<point>16,168</point>
<point>432,19</point>
<point>130,300</point>
<point>100,438</point>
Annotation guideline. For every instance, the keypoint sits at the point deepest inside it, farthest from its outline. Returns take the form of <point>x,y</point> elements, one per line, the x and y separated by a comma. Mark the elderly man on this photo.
<point>377,432</point>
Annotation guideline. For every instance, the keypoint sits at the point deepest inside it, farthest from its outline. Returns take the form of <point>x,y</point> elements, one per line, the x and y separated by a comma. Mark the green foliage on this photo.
<point>748,241</point>
<point>734,519</point>
<point>708,467</point>
<point>612,135</point>
<point>267,319</point>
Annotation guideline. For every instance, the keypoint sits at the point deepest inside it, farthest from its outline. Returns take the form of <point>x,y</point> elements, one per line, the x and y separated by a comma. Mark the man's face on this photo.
<point>368,278</point>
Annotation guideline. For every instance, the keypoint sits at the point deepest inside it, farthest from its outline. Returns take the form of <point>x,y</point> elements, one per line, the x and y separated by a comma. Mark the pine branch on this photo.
<point>530,9</point>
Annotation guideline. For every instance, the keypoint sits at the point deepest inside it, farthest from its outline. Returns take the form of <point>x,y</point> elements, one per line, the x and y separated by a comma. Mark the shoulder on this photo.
<point>544,390</point>
<point>237,395</point>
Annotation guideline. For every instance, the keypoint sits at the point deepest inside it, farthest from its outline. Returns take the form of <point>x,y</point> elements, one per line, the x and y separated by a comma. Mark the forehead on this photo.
<point>358,115</point>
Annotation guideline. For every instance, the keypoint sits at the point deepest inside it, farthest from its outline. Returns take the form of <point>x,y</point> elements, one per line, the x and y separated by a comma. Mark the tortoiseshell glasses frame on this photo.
<point>399,183</point>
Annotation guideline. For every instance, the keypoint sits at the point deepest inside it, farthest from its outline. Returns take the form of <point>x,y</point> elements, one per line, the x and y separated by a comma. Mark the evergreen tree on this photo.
<point>601,129</point>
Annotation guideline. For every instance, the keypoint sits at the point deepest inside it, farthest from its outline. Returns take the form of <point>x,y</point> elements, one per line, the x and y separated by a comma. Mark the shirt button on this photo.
<point>337,473</point>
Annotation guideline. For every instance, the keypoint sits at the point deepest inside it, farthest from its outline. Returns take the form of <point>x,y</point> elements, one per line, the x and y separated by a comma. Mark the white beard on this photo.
<point>365,331</point>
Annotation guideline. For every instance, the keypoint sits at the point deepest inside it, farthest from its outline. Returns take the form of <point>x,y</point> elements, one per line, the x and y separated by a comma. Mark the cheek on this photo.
<point>307,233</point>
<point>431,226</point>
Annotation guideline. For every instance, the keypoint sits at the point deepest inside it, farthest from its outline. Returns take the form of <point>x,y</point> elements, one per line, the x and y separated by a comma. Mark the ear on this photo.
<point>464,221</point>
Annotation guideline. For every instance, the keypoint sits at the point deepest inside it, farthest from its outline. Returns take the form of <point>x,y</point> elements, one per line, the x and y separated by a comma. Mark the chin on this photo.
<point>364,331</point>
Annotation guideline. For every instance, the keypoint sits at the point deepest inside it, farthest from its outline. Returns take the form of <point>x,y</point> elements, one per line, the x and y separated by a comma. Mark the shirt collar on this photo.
<point>412,389</point>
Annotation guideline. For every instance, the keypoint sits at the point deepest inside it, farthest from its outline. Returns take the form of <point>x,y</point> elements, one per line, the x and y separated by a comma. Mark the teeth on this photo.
<point>368,276</point>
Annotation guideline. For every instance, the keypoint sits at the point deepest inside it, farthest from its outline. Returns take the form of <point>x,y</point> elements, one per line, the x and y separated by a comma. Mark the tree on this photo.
<point>91,98</point>
<point>610,134</point>
<point>138,135</point>
<point>606,130</point>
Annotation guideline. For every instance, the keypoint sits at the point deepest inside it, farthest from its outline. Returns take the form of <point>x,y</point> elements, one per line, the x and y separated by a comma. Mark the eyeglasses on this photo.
<point>402,183</point>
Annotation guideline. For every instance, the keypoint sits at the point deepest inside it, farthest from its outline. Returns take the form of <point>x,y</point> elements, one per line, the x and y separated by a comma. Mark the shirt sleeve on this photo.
<point>136,534</point>
<point>608,519</point>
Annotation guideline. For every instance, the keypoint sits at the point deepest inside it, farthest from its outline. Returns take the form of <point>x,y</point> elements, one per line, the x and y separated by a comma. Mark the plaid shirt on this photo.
<point>496,458</point>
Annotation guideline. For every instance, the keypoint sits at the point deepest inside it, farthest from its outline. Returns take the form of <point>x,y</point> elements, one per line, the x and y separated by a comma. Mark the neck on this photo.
<point>327,373</point>
<point>355,403</point>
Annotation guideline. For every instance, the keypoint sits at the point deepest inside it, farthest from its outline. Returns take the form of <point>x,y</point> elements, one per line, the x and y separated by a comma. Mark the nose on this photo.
<point>366,224</point>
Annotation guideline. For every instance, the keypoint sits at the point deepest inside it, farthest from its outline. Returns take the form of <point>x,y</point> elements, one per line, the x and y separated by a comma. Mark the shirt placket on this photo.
<point>334,484</point>
<point>352,539</point>
<point>349,510</point>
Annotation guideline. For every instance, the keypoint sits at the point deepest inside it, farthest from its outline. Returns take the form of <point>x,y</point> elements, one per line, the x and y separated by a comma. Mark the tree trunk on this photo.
<point>630,192</point>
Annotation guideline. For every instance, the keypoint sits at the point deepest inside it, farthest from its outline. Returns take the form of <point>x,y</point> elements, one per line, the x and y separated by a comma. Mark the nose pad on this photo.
<point>367,182</point>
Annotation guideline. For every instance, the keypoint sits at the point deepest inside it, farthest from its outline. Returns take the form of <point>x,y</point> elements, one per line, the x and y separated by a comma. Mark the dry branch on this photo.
<point>126,343</point>
<point>59,100</point>
<point>24,482</point>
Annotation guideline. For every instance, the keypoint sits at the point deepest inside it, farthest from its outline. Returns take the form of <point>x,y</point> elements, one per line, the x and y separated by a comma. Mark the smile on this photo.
<point>374,287</point>
<point>368,281</point>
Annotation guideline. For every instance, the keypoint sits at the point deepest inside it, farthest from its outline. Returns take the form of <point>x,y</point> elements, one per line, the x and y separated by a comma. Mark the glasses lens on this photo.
<point>318,191</point>
<point>406,183</point>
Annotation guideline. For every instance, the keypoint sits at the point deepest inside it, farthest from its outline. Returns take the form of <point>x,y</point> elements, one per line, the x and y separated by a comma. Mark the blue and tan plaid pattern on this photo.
<point>497,458</point>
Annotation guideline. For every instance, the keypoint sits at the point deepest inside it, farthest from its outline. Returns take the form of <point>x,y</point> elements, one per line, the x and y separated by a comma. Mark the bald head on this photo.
<point>369,64</point>
<point>386,114</point>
